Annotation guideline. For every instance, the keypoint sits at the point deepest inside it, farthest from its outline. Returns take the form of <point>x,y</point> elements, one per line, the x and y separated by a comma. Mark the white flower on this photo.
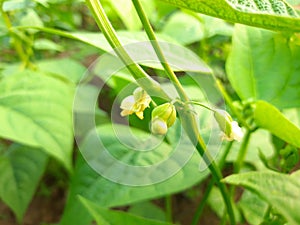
<point>230,128</point>
<point>236,132</point>
<point>135,103</point>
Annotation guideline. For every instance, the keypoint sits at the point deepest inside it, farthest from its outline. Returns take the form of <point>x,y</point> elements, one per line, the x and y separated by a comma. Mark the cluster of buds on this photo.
<point>164,116</point>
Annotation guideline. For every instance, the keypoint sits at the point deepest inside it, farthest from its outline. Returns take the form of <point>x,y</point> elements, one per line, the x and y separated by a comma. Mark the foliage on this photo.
<point>60,105</point>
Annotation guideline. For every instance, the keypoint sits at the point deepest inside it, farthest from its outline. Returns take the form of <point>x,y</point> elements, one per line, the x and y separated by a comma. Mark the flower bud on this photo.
<point>165,112</point>
<point>224,120</point>
<point>159,126</point>
<point>230,128</point>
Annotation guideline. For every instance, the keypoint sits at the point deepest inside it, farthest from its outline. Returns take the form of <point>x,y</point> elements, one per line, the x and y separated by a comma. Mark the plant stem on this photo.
<point>242,153</point>
<point>151,35</point>
<point>200,104</point>
<point>16,42</point>
<point>188,119</point>
<point>145,81</point>
<point>209,187</point>
<point>169,208</point>
<point>229,103</point>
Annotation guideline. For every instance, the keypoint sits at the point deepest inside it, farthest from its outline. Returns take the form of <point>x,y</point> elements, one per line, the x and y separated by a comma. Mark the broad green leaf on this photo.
<point>269,14</point>
<point>252,207</point>
<point>184,28</point>
<point>87,183</point>
<point>263,65</point>
<point>147,210</point>
<point>127,13</point>
<point>270,118</point>
<point>180,58</point>
<point>46,44</point>
<point>21,168</point>
<point>105,216</point>
<point>65,68</point>
<point>214,26</point>
<point>36,110</point>
<point>281,191</point>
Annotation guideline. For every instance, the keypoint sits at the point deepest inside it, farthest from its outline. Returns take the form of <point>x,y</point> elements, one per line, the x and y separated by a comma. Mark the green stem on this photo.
<point>145,81</point>
<point>200,104</point>
<point>16,42</point>
<point>169,208</point>
<point>188,119</point>
<point>209,187</point>
<point>151,35</point>
<point>202,204</point>
<point>242,153</point>
<point>230,104</point>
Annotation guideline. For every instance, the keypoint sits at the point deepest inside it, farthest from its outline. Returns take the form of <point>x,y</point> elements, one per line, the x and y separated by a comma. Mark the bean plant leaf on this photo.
<point>280,190</point>
<point>36,110</point>
<point>270,118</point>
<point>127,13</point>
<point>21,168</point>
<point>269,14</point>
<point>252,207</point>
<point>105,216</point>
<point>65,68</point>
<point>264,65</point>
<point>179,57</point>
<point>89,184</point>
<point>184,28</point>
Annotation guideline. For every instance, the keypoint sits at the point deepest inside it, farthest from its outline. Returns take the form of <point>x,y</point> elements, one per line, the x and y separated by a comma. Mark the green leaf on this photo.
<point>269,14</point>
<point>21,168</point>
<point>87,183</point>
<point>127,13</point>
<point>36,110</point>
<point>179,57</point>
<point>184,28</point>
<point>262,65</point>
<point>147,210</point>
<point>110,217</point>
<point>281,191</point>
<point>46,44</point>
<point>252,207</point>
<point>270,118</point>
<point>65,68</point>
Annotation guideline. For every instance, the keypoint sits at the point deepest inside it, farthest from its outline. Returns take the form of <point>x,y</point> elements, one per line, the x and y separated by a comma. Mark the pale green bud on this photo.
<point>230,128</point>
<point>158,126</point>
<point>165,112</point>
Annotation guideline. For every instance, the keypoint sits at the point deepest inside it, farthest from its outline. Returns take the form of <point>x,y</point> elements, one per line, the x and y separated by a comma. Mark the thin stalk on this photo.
<point>209,187</point>
<point>16,43</point>
<point>202,204</point>
<point>230,104</point>
<point>242,153</point>
<point>200,104</point>
<point>188,119</point>
<point>168,204</point>
<point>145,81</point>
<point>151,35</point>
